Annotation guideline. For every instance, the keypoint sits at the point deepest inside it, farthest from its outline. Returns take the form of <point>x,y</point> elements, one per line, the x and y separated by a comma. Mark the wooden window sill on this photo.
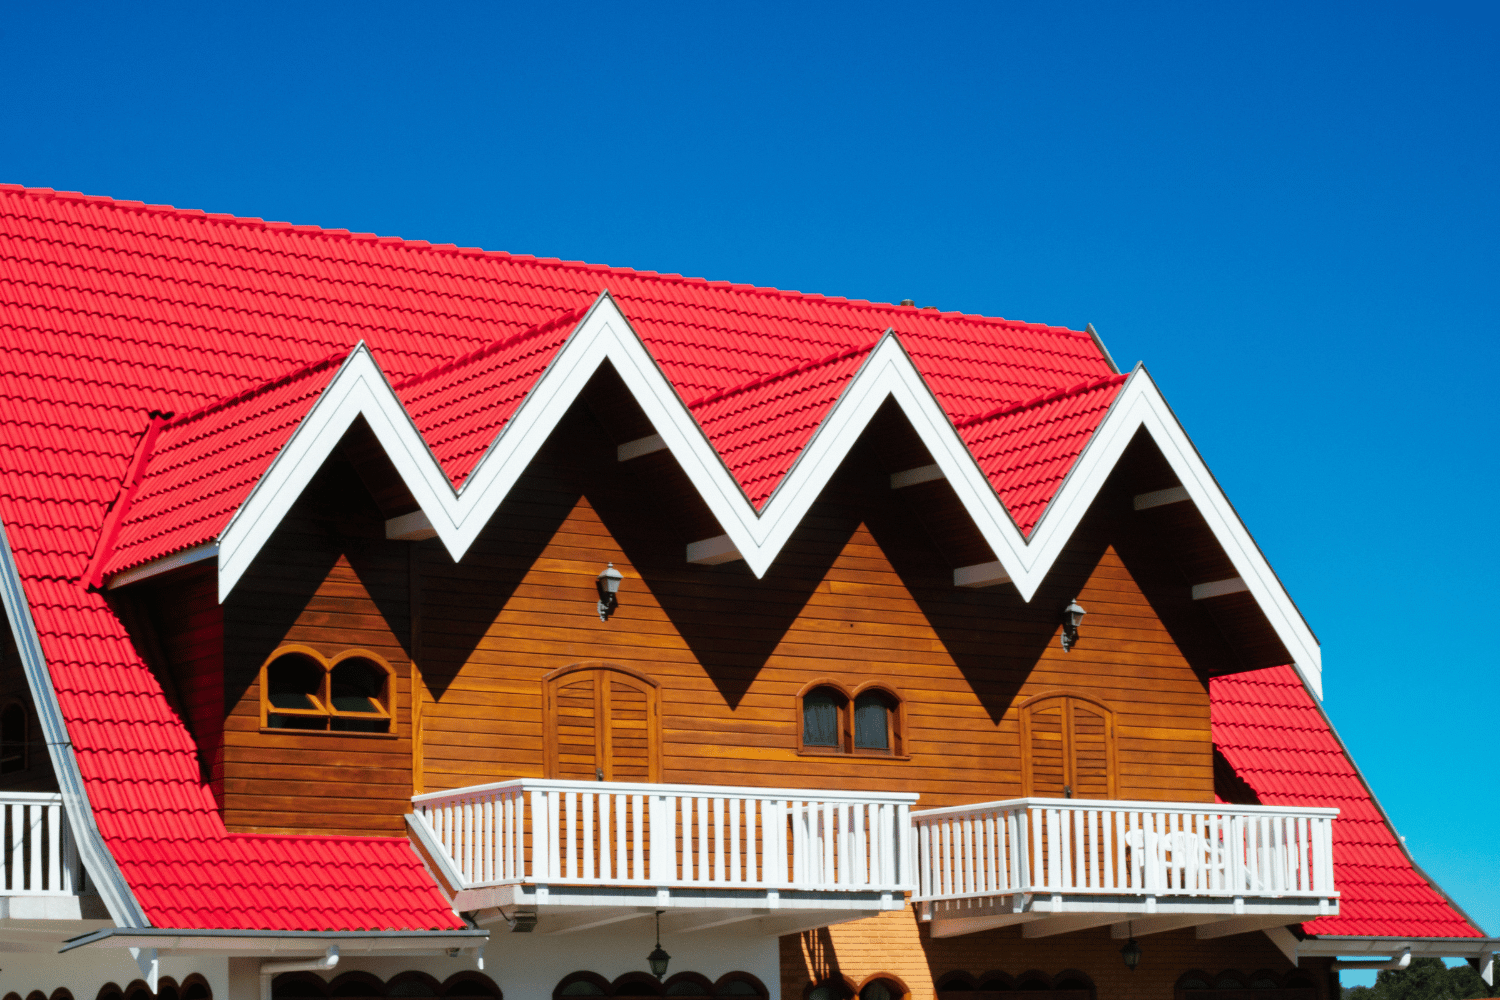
<point>269,731</point>
<point>856,755</point>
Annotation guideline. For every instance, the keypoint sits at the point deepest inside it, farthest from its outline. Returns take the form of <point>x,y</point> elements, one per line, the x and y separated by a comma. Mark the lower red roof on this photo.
<point>1280,743</point>
<point>160,821</point>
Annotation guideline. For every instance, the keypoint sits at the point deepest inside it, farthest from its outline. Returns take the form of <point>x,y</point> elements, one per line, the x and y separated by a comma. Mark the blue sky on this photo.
<point>1289,211</point>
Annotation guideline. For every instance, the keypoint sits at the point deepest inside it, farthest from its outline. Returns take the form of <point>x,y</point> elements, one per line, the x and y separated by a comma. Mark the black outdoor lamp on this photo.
<point>1131,953</point>
<point>658,959</point>
<point>608,585</point>
<point>1072,618</point>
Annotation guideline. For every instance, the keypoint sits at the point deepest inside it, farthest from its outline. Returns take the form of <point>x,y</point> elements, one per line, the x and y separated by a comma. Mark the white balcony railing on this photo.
<point>668,836</point>
<point>1096,847</point>
<point>39,855</point>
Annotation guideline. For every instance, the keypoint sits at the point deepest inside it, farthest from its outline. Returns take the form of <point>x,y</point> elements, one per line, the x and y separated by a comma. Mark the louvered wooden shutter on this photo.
<point>1090,752</point>
<point>630,729</point>
<point>1048,749</point>
<point>576,720</point>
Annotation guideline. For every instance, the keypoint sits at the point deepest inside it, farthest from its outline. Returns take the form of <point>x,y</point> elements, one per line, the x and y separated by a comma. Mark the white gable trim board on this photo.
<point>604,335</point>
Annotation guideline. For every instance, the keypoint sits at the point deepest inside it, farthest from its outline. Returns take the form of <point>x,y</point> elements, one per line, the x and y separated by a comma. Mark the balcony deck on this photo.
<point>570,855</point>
<point>44,895</point>
<point>1059,865</point>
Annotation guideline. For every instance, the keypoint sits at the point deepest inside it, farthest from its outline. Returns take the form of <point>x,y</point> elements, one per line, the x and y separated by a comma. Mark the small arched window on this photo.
<point>352,693</point>
<point>873,714</point>
<point>866,722</point>
<point>13,737</point>
<point>823,719</point>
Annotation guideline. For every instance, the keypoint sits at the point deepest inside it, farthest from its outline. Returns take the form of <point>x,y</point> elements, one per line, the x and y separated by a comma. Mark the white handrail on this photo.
<point>1107,847</point>
<point>626,833</point>
<point>37,854</point>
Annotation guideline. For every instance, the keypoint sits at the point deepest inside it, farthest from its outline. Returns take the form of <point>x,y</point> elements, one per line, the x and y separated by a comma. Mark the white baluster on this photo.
<point>606,842</point>
<point>638,860</point>
<point>588,835</point>
<point>719,846</point>
<point>735,872</point>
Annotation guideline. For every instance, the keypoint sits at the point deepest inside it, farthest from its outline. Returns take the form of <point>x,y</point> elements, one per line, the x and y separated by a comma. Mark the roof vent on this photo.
<point>908,302</point>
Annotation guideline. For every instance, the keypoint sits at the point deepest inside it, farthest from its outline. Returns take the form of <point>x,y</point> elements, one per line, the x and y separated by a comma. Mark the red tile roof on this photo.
<point>202,465</point>
<point>112,311</point>
<point>1280,743</point>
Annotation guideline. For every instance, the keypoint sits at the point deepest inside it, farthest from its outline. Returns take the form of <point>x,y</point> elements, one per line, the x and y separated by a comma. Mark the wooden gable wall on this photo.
<point>861,593</point>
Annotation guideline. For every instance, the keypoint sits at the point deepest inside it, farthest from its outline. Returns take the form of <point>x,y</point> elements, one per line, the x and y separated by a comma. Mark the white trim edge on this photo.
<point>103,870</point>
<point>605,335</point>
<point>165,564</point>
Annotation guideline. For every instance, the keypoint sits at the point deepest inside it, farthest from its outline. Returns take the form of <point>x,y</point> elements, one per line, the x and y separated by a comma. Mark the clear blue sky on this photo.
<point>1288,211</point>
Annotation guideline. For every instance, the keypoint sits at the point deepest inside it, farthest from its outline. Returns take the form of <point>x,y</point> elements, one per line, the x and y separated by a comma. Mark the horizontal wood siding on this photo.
<point>327,580</point>
<point>858,595</point>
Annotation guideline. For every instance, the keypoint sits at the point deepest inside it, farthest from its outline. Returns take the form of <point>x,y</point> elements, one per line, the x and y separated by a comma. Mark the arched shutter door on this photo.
<point>1048,749</point>
<point>575,707</point>
<point>1068,749</point>
<point>603,724</point>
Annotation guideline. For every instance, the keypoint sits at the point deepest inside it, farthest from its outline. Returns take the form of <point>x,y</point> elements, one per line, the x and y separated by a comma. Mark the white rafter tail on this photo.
<point>413,527</point>
<point>713,551</point>
<point>647,445</point>
<point>1219,588</point>
<point>604,336</point>
<point>980,575</point>
<point>911,477</point>
<point>1160,498</point>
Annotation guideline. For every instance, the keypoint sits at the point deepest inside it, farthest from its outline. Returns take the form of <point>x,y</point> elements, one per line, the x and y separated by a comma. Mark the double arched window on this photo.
<point>302,689</point>
<point>867,720</point>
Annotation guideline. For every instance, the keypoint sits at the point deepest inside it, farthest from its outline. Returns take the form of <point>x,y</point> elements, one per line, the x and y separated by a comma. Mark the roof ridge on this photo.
<point>796,369</point>
<point>226,402</point>
<point>494,347</point>
<point>1046,397</point>
<point>114,518</point>
<point>255,222</point>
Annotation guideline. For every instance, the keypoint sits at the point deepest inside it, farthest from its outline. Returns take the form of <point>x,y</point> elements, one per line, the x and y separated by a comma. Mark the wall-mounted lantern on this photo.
<point>658,959</point>
<point>1072,618</point>
<point>608,585</point>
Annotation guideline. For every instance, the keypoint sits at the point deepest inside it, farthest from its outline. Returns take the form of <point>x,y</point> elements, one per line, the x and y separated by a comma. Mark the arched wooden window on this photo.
<point>1068,747</point>
<point>14,737</point>
<point>302,689</point>
<point>866,722</point>
<point>603,722</point>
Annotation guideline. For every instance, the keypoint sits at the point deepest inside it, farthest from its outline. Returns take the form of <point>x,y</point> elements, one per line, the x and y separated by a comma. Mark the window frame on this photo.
<point>845,698</point>
<point>324,695</point>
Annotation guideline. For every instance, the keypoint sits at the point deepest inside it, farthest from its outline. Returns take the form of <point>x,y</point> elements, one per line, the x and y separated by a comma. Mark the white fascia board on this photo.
<point>102,868</point>
<point>604,335</point>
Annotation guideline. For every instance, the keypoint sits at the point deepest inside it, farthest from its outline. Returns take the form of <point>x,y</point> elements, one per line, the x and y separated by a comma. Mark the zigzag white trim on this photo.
<point>604,334</point>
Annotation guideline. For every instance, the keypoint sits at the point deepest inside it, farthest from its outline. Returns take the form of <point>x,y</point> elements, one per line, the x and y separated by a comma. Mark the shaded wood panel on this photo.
<point>860,594</point>
<point>328,580</point>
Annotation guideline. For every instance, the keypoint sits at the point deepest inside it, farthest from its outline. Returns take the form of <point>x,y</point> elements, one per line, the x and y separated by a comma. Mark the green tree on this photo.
<point>1424,979</point>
